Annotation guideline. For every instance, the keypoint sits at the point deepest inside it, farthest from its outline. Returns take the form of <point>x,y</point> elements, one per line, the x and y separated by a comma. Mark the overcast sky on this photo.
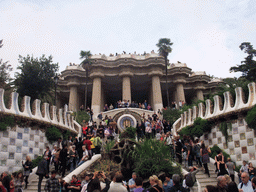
<point>206,34</point>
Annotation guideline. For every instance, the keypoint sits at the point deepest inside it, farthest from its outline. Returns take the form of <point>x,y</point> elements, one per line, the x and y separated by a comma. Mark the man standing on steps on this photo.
<point>42,171</point>
<point>52,184</point>
<point>191,179</point>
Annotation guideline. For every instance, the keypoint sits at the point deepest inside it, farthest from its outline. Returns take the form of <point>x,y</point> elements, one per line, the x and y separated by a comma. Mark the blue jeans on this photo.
<point>190,160</point>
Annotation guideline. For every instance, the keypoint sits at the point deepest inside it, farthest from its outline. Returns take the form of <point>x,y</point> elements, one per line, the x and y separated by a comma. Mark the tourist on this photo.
<point>228,178</point>
<point>53,154</point>
<point>169,183</point>
<point>222,168</point>
<point>2,188</point>
<point>232,187</point>
<point>63,159</point>
<point>210,188</point>
<point>97,184</point>
<point>105,108</point>
<point>75,185</point>
<point>176,184</point>
<point>204,152</point>
<point>92,145</point>
<point>91,114</point>
<point>73,155</point>
<point>111,107</point>
<point>138,185</point>
<point>88,144</point>
<point>48,154</point>
<point>117,185</point>
<point>97,143</point>
<point>254,183</point>
<point>156,184</point>
<point>27,169</point>
<point>59,143</point>
<point>218,159</point>
<point>19,182</point>
<point>244,168</point>
<point>231,168</point>
<point>148,131</point>
<point>221,184</point>
<point>190,179</point>
<point>42,171</point>
<point>85,156</point>
<point>190,155</point>
<point>85,182</point>
<point>196,151</point>
<point>82,108</point>
<point>246,184</point>
<point>13,177</point>
<point>251,170</point>
<point>52,184</point>
<point>131,182</point>
<point>178,149</point>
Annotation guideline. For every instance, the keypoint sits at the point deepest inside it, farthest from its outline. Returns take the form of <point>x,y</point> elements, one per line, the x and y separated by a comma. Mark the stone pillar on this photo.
<point>180,92</point>
<point>199,94</point>
<point>96,96</point>
<point>127,88</point>
<point>157,94</point>
<point>73,101</point>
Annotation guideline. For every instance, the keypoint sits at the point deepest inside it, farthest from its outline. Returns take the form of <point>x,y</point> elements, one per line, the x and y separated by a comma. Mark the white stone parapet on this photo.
<point>118,56</point>
<point>44,115</point>
<point>216,109</point>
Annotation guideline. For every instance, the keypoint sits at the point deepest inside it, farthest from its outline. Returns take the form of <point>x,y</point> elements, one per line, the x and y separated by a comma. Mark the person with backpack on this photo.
<point>190,179</point>
<point>177,187</point>
<point>196,150</point>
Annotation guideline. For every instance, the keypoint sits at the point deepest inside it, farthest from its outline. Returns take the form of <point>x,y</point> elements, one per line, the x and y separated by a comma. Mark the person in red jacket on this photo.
<point>88,144</point>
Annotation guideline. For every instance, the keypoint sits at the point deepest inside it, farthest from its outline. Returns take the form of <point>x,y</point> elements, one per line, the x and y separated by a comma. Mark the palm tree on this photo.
<point>164,46</point>
<point>86,65</point>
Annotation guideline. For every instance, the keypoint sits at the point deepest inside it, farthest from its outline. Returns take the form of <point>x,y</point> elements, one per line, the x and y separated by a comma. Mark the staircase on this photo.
<point>203,178</point>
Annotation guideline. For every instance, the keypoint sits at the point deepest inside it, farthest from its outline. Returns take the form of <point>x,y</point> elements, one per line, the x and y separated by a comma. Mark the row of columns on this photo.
<point>156,94</point>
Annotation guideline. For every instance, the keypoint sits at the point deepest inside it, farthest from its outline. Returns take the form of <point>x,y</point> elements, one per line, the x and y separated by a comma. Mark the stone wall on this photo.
<point>241,141</point>
<point>16,143</point>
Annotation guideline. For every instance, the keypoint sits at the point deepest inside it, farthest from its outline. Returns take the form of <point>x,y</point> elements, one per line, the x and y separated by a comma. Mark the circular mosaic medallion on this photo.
<point>125,121</point>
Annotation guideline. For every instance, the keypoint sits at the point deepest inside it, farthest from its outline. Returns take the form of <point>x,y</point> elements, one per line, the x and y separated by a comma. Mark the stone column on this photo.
<point>127,88</point>
<point>73,101</point>
<point>157,94</point>
<point>96,96</point>
<point>199,94</point>
<point>180,92</point>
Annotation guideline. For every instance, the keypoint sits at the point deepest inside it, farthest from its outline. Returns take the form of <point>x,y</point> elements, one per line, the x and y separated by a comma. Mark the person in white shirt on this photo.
<point>246,184</point>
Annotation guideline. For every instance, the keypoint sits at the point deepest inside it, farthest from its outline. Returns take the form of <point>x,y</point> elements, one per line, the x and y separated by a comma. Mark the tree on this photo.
<point>5,68</point>
<point>164,46</point>
<point>248,66</point>
<point>36,77</point>
<point>86,65</point>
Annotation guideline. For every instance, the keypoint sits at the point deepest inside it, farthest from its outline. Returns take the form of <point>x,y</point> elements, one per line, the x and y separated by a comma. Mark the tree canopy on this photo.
<point>164,46</point>
<point>85,55</point>
<point>5,68</point>
<point>35,78</point>
<point>248,66</point>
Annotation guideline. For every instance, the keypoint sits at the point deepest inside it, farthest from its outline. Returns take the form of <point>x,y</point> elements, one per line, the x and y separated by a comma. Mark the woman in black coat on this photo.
<point>27,169</point>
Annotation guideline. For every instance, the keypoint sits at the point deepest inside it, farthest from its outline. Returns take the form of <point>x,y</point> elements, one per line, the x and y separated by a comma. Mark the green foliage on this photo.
<point>52,134</point>
<point>171,115</point>
<point>5,69</point>
<point>251,118</point>
<point>80,116</point>
<point>36,161</point>
<point>164,45</point>
<point>6,121</point>
<point>108,146</point>
<point>199,127</point>
<point>130,132</point>
<point>224,126</point>
<point>36,77</point>
<point>248,66</point>
<point>66,134</point>
<point>152,157</point>
<point>214,151</point>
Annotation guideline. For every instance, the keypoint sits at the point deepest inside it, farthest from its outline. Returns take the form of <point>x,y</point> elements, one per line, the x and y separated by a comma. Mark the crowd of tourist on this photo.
<point>73,152</point>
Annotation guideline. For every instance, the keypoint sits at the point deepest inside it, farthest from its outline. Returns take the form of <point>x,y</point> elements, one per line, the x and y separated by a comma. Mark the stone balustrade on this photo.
<point>216,109</point>
<point>48,114</point>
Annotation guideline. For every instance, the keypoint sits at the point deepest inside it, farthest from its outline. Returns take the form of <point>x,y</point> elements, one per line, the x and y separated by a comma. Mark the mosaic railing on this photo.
<point>217,109</point>
<point>58,117</point>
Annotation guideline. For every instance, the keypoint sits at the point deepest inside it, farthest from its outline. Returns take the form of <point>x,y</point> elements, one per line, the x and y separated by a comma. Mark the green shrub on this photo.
<point>6,121</point>
<point>52,134</point>
<point>66,134</point>
<point>171,115</point>
<point>152,157</point>
<point>36,161</point>
<point>130,132</point>
<point>250,118</point>
<point>80,116</point>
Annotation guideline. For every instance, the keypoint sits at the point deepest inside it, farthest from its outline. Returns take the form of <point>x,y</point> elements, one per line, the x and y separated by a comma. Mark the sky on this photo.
<point>206,34</point>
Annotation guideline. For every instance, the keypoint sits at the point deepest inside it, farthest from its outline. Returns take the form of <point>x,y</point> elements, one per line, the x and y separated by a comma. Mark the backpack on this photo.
<point>189,180</point>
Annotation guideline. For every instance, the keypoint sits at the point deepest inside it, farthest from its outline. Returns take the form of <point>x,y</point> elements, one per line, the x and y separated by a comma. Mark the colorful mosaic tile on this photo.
<point>242,136</point>
<point>237,143</point>
<point>19,135</point>
<point>244,150</point>
<point>250,142</point>
<point>232,152</point>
